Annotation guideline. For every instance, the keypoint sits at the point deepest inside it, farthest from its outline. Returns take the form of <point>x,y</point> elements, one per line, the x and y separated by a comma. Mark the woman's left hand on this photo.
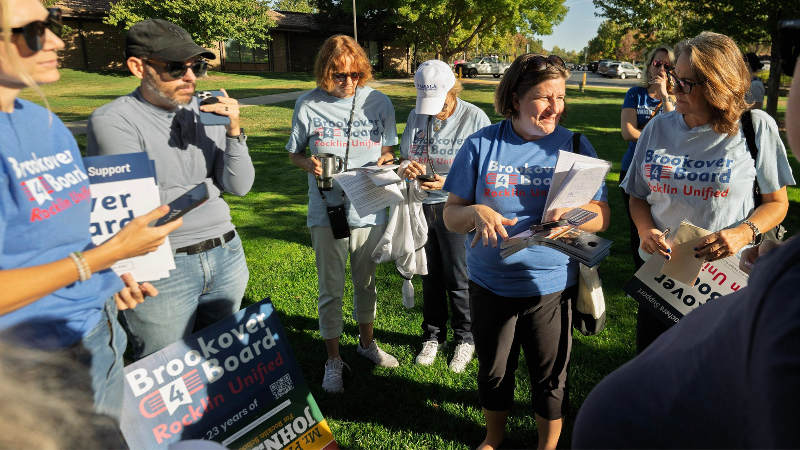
<point>723,243</point>
<point>433,185</point>
<point>555,214</point>
<point>133,293</point>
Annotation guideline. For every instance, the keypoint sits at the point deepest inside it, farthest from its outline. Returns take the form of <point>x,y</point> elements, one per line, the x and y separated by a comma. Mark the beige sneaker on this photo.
<point>462,357</point>
<point>332,381</point>
<point>376,355</point>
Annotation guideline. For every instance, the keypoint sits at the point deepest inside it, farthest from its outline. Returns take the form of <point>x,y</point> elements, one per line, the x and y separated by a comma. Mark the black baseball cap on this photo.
<point>754,62</point>
<point>165,40</point>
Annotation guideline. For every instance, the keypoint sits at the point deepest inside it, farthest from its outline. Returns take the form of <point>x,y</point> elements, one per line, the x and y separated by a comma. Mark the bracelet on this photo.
<point>84,272</point>
<point>754,229</point>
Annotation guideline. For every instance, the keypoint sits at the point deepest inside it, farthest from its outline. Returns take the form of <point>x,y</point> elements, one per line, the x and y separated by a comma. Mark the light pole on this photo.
<point>355,28</point>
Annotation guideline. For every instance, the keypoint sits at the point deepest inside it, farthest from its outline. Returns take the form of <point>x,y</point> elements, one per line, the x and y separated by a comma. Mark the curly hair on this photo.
<point>718,64</point>
<point>518,79</point>
<point>332,58</point>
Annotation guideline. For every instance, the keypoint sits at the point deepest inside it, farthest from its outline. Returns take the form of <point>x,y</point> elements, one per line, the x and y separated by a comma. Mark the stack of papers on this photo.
<point>371,188</point>
<point>124,187</point>
<point>587,248</point>
<point>576,179</point>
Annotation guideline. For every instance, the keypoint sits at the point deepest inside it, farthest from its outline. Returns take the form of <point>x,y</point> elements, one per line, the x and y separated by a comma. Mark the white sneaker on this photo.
<point>376,355</point>
<point>462,357</point>
<point>428,353</point>
<point>332,381</point>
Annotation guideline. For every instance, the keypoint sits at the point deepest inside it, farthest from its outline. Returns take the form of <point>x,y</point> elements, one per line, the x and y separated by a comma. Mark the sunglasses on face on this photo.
<point>178,69</point>
<point>341,77</point>
<point>683,85</point>
<point>659,63</point>
<point>33,33</point>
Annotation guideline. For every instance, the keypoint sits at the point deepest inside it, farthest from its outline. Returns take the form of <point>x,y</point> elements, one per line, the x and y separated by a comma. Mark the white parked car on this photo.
<point>483,65</point>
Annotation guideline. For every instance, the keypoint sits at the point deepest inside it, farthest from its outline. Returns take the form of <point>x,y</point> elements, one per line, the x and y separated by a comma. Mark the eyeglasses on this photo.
<point>659,63</point>
<point>538,63</point>
<point>178,69</point>
<point>685,86</point>
<point>341,77</point>
<point>34,31</point>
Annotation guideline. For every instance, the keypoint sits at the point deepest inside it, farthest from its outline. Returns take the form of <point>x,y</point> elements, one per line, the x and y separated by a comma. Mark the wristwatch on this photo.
<point>241,137</point>
<point>757,236</point>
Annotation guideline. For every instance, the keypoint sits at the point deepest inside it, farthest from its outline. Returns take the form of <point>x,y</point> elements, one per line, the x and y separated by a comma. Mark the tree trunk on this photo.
<point>773,85</point>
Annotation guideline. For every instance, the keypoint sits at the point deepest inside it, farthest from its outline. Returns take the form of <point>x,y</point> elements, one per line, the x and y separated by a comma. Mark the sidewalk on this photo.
<point>79,126</point>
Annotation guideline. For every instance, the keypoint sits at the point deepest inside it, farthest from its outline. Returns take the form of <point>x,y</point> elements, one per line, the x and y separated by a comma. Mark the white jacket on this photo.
<point>405,236</point>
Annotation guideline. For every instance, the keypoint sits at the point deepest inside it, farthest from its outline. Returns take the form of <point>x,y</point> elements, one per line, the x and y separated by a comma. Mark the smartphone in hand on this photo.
<point>208,118</point>
<point>185,203</point>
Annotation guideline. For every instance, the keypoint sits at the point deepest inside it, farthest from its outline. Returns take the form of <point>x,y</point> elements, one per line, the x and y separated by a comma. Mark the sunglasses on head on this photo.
<point>341,77</point>
<point>178,69</point>
<point>539,63</point>
<point>659,63</point>
<point>34,31</point>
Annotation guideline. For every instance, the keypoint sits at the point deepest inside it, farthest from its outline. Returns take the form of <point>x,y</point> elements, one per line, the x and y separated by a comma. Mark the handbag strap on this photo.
<point>428,140</point>
<point>576,143</point>
<point>750,136</point>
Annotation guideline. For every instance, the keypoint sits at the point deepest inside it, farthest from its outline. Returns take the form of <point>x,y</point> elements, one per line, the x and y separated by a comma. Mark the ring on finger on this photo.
<point>226,108</point>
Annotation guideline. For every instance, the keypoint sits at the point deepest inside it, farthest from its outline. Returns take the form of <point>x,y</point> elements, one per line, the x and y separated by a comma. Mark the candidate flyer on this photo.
<point>670,300</point>
<point>236,382</point>
<point>124,187</point>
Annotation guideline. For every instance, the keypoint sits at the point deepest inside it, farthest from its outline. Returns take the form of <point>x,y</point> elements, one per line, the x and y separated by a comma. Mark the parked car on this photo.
<point>602,68</point>
<point>483,65</point>
<point>623,70</point>
<point>593,66</point>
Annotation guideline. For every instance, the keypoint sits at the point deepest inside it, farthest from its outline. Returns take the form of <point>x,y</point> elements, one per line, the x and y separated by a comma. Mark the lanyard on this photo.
<point>428,145</point>
<point>347,149</point>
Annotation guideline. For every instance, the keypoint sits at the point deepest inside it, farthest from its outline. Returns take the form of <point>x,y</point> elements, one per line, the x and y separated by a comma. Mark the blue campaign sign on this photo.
<point>129,166</point>
<point>236,382</point>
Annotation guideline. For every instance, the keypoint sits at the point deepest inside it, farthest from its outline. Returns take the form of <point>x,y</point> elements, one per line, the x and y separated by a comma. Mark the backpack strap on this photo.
<point>750,136</point>
<point>576,142</point>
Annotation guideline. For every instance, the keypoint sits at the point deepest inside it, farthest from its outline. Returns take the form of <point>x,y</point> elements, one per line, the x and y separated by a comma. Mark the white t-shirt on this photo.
<point>703,176</point>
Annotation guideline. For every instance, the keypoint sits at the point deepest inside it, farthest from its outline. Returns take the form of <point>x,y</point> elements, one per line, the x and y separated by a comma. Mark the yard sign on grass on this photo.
<point>236,382</point>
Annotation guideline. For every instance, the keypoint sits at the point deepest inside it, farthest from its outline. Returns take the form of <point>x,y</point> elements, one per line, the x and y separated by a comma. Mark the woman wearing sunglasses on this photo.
<point>694,163</point>
<point>498,186</point>
<point>343,117</point>
<point>641,104</point>
<point>58,291</point>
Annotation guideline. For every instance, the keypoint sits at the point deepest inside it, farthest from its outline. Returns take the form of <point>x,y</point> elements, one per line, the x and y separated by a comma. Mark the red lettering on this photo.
<point>196,413</point>
<point>185,420</point>
<point>160,432</point>
<point>175,427</point>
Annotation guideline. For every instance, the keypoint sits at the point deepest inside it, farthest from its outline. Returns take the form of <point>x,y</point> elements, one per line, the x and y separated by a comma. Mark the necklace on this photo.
<point>438,124</point>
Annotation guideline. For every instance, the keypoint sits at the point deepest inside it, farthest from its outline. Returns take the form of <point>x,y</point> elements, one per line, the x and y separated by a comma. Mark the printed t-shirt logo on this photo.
<point>328,132</point>
<point>657,172</point>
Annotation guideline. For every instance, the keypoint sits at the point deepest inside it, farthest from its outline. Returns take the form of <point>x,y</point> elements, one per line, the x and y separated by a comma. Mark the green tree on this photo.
<point>604,45</point>
<point>301,6</point>
<point>208,21</point>
<point>451,26</point>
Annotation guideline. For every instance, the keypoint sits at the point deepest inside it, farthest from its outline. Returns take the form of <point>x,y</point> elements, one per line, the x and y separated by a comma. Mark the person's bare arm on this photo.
<point>599,223</point>
<point>24,286</point>
<point>628,125</point>
<point>308,164</point>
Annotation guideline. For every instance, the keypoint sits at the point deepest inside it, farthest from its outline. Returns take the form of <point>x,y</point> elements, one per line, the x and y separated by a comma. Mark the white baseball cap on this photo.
<point>433,80</point>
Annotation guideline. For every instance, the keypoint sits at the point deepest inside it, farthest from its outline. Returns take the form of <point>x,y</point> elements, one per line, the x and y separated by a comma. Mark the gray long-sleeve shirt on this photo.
<point>186,153</point>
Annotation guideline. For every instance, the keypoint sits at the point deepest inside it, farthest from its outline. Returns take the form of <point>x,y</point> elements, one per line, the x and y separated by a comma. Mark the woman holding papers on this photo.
<point>498,186</point>
<point>694,163</point>
<point>58,290</point>
<point>434,133</point>
<point>641,104</point>
<point>345,118</point>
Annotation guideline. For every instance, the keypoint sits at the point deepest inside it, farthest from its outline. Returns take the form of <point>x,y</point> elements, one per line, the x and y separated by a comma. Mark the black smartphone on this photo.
<point>185,203</point>
<point>548,225</point>
<point>423,177</point>
<point>207,118</point>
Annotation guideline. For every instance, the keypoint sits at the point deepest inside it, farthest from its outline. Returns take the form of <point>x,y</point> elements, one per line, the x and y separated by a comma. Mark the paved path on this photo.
<point>79,126</point>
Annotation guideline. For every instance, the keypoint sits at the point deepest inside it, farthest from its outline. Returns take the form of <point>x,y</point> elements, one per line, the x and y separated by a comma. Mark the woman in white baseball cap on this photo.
<point>435,130</point>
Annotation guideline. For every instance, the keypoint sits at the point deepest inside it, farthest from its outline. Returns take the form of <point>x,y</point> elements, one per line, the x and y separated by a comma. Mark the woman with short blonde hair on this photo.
<point>694,163</point>
<point>332,56</point>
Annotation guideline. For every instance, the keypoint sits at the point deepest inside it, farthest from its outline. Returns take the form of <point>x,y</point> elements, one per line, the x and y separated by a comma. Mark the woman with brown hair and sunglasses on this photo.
<point>694,163</point>
<point>58,291</point>
<point>641,104</point>
<point>344,118</point>
<point>498,186</point>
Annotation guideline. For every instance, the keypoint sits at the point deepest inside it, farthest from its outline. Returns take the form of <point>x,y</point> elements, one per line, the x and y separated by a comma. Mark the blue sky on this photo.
<point>577,29</point>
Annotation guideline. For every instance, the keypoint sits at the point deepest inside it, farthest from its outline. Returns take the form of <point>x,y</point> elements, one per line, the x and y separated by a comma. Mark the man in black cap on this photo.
<point>757,89</point>
<point>161,118</point>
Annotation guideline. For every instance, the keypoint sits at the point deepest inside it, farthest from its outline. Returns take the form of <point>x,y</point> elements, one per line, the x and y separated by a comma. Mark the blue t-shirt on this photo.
<point>45,205</point>
<point>638,99</point>
<point>320,123</point>
<point>499,169</point>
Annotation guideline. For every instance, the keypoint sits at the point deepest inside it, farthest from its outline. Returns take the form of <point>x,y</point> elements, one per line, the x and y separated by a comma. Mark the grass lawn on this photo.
<point>410,407</point>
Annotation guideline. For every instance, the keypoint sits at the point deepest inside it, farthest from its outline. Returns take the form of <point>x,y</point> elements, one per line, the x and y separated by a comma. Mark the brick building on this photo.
<point>93,45</point>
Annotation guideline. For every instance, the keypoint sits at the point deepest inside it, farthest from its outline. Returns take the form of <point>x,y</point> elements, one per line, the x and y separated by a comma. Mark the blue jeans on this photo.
<point>201,290</point>
<point>101,352</point>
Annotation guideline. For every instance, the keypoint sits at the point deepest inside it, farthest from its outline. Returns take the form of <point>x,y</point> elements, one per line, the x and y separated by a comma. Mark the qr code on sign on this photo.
<point>282,386</point>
